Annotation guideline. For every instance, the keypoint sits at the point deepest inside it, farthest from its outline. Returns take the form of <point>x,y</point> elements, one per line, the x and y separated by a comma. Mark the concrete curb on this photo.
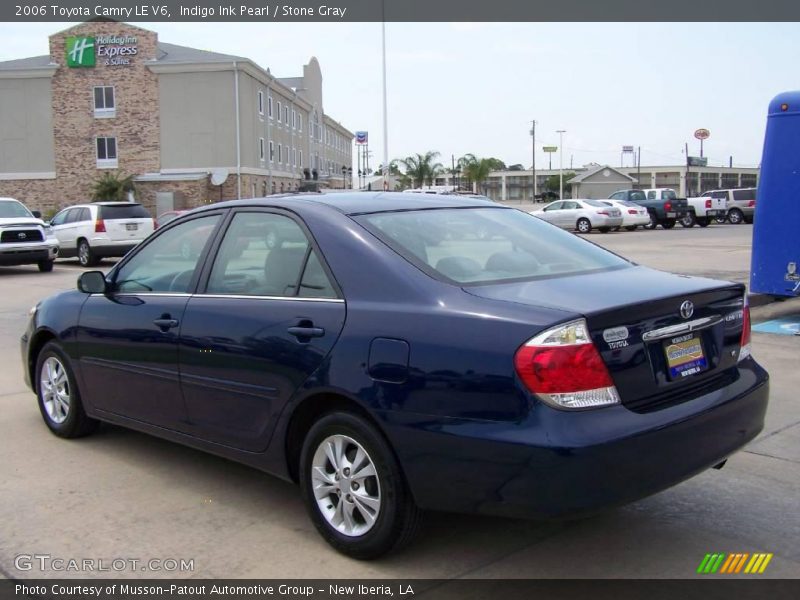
<point>765,308</point>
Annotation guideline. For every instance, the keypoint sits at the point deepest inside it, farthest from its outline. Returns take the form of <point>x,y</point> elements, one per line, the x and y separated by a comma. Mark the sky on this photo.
<point>459,88</point>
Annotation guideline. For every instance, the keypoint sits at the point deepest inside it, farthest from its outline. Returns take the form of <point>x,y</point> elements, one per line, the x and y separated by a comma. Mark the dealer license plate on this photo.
<point>131,226</point>
<point>715,213</point>
<point>670,215</point>
<point>685,356</point>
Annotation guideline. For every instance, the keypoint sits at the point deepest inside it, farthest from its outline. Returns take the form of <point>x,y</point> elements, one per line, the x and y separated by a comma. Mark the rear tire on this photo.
<point>653,221</point>
<point>735,216</point>
<point>362,517</point>
<point>45,266</point>
<point>689,220</point>
<point>631,227</point>
<point>583,225</point>
<point>58,394</point>
<point>668,223</point>
<point>703,221</point>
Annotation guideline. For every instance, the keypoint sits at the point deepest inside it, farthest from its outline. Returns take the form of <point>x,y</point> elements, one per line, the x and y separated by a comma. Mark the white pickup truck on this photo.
<point>24,239</point>
<point>702,210</point>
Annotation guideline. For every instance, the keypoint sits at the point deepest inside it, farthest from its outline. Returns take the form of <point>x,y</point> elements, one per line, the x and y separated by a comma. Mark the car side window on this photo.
<point>60,218</point>
<point>266,254</point>
<point>167,263</point>
<point>84,215</point>
<point>651,195</point>
<point>570,205</point>
<point>72,215</point>
<point>554,206</point>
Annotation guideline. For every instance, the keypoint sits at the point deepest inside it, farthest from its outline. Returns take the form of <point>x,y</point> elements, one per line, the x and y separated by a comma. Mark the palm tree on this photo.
<point>112,187</point>
<point>421,167</point>
<point>476,170</point>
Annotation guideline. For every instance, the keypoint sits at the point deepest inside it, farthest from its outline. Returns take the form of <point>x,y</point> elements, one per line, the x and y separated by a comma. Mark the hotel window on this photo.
<point>280,154</point>
<point>269,106</point>
<point>301,159</point>
<point>261,149</point>
<point>294,119</point>
<point>261,103</point>
<point>279,111</point>
<point>299,121</point>
<point>271,151</point>
<point>104,101</point>
<point>286,115</point>
<point>106,153</point>
<point>294,157</point>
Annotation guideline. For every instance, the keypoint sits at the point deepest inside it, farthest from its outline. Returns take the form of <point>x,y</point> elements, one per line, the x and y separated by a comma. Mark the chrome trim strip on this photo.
<point>672,330</point>
<point>246,297</point>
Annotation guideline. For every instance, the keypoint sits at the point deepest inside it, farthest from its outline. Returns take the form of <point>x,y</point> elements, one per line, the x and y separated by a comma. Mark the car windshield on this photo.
<point>482,245</point>
<point>11,209</point>
<point>637,196</point>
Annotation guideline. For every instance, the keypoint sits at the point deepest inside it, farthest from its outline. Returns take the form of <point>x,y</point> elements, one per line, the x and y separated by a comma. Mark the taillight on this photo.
<point>563,368</point>
<point>99,226</point>
<point>631,211</point>
<point>668,206</point>
<point>602,212</point>
<point>751,203</point>
<point>708,202</point>
<point>744,352</point>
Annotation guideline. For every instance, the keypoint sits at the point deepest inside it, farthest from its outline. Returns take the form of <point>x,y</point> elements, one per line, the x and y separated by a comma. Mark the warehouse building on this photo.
<point>191,126</point>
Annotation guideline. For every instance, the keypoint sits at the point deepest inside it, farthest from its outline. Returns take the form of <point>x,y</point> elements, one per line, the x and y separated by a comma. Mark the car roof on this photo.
<point>355,203</point>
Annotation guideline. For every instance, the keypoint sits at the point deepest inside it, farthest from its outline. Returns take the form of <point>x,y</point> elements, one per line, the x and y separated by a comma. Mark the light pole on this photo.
<point>561,133</point>
<point>533,160</point>
<point>385,115</point>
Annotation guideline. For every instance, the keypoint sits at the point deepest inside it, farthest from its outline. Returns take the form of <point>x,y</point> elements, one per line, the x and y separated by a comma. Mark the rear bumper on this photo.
<point>106,248</point>
<point>561,464</point>
<point>601,221</point>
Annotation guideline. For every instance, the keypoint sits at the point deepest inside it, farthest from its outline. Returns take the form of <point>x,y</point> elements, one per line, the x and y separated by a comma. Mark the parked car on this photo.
<point>633,215</point>
<point>529,374</point>
<point>702,210</point>
<point>581,215</point>
<point>101,229</point>
<point>741,204</point>
<point>664,207</point>
<point>24,238</point>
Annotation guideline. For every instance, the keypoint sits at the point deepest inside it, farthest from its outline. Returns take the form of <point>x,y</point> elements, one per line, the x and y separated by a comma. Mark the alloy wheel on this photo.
<point>346,485</point>
<point>54,386</point>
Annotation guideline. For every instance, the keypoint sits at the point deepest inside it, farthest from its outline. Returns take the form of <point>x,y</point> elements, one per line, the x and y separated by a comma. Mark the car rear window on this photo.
<point>749,194</point>
<point>668,195</point>
<point>123,211</point>
<point>596,203</point>
<point>483,245</point>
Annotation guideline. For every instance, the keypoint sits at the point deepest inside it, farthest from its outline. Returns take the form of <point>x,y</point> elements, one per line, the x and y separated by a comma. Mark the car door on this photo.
<point>569,214</point>
<point>265,320</point>
<point>550,212</point>
<point>63,226</point>
<point>128,337</point>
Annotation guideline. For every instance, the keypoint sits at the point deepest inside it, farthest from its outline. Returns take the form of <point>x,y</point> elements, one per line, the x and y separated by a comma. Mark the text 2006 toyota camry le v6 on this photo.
<point>391,361</point>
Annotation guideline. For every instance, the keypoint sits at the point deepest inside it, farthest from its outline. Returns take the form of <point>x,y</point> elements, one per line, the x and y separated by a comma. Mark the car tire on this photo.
<point>735,216</point>
<point>668,223</point>
<point>382,514</point>
<point>689,220</point>
<point>653,221</point>
<point>631,227</point>
<point>617,228</point>
<point>58,395</point>
<point>45,266</point>
<point>703,221</point>
<point>85,255</point>
<point>583,225</point>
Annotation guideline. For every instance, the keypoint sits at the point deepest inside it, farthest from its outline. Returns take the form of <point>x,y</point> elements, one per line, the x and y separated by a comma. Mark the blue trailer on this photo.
<point>776,229</point>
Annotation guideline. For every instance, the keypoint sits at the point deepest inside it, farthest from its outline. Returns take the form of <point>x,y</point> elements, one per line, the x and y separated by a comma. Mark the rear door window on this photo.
<point>749,194</point>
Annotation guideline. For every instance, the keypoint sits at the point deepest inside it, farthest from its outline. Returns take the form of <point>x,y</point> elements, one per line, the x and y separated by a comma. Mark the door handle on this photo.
<point>306,332</point>
<point>165,323</point>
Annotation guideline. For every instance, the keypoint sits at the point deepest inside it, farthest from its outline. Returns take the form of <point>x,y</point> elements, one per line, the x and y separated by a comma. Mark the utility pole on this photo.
<point>561,133</point>
<point>638,164</point>
<point>385,111</point>
<point>533,160</point>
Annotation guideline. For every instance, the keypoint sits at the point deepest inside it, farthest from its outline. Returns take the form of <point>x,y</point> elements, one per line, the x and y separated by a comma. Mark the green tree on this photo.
<point>421,168</point>
<point>112,187</point>
<point>475,170</point>
<point>496,164</point>
<point>552,183</point>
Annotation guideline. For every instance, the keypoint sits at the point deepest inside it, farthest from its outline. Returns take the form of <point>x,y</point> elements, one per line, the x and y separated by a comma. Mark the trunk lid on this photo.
<point>655,355</point>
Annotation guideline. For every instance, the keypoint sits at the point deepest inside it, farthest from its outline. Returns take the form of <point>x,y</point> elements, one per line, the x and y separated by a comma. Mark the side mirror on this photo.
<point>92,282</point>
<point>37,214</point>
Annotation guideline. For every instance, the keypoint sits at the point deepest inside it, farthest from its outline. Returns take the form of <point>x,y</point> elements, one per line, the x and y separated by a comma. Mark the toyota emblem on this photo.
<point>21,236</point>
<point>687,309</point>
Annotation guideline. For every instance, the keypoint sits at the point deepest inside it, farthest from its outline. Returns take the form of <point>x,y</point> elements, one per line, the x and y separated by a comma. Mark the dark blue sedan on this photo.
<point>395,353</point>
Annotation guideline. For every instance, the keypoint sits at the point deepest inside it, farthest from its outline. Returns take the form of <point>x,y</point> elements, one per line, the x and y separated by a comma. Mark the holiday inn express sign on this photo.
<point>112,50</point>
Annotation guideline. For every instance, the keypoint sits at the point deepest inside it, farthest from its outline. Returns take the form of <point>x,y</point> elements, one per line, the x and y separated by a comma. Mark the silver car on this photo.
<point>581,215</point>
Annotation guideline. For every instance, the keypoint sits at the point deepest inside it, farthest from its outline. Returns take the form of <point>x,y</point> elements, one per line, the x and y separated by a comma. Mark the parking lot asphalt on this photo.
<point>121,494</point>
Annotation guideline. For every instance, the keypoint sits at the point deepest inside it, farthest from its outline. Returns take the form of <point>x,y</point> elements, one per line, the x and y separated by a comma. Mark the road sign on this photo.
<point>702,134</point>
<point>627,149</point>
<point>550,149</point>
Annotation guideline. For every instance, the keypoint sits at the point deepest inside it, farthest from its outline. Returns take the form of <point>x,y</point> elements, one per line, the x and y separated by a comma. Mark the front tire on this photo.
<point>354,489</point>
<point>58,395</point>
<point>668,223</point>
<point>703,221</point>
<point>689,220</point>
<point>583,225</point>
<point>85,255</point>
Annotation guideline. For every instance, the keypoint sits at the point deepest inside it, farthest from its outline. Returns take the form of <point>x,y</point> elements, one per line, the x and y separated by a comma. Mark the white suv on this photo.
<point>101,229</point>
<point>24,239</point>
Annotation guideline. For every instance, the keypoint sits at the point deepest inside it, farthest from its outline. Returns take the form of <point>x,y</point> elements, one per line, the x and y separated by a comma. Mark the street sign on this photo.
<point>702,134</point>
<point>627,149</point>
<point>361,138</point>
<point>698,161</point>
<point>550,149</point>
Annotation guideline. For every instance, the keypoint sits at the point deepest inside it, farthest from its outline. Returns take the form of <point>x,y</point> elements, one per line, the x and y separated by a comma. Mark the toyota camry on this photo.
<point>391,363</point>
